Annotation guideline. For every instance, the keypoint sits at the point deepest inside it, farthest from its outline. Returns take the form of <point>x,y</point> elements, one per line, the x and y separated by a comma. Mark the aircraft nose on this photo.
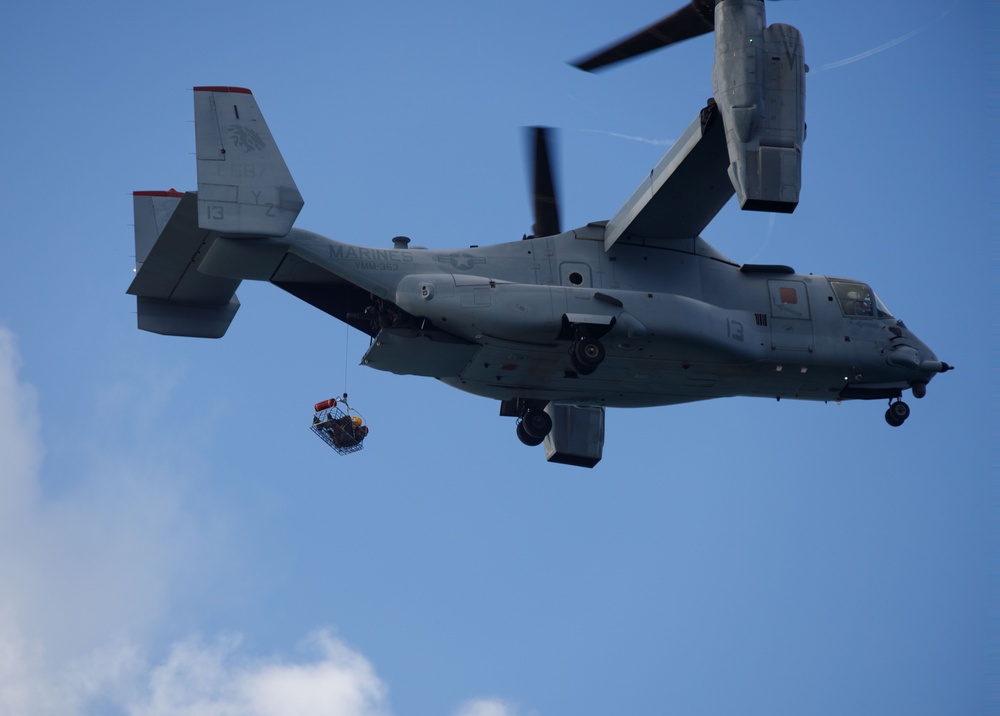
<point>906,357</point>
<point>928,368</point>
<point>913,356</point>
<point>935,366</point>
<point>923,362</point>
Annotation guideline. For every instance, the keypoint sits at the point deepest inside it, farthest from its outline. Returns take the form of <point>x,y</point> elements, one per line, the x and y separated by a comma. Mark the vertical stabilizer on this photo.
<point>152,210</point>
<point>173,297</point>
<point>244,186</point>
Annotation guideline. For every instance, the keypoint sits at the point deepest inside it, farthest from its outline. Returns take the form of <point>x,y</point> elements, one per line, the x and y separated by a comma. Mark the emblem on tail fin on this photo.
<point>248,192</point>
<point>245,138</point>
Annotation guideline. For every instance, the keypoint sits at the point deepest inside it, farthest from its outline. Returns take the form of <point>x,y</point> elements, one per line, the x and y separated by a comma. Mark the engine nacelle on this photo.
<point>759,86</point>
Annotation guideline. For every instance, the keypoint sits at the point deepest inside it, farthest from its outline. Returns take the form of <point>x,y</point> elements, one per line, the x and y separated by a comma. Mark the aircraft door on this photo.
<point>791,320</point>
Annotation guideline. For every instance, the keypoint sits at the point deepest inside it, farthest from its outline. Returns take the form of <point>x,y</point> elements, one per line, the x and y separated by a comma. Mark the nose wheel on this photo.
<point>897,413</point>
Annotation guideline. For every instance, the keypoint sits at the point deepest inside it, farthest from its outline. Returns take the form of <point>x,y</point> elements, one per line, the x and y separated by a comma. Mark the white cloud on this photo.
<point>86,574</point>
<point>78,572</point>
<point>486,707</point>
<point>85,578</point>
<point>20,448</point>
<point>195,680</point>
<point>91,561</point>
<point>215,680</point>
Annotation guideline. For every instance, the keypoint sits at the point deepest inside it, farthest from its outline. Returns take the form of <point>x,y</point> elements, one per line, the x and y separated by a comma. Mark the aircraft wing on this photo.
<point>684,192</point>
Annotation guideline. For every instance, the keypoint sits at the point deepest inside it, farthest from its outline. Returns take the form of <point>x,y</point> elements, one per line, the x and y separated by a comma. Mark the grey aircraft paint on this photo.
<point>631,312</point>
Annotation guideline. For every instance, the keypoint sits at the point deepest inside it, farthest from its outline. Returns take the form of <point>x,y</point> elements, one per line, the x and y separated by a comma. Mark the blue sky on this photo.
<point>174,540</point>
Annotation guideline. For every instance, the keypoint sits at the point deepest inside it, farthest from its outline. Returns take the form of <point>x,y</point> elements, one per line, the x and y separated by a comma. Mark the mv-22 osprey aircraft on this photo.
<point>635,311</point>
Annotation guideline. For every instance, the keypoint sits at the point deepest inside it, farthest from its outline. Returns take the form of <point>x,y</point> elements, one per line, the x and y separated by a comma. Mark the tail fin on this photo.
<point>244,190</point>
<point>173,297</point>
<point>152,210</point>
<point>244,186</point>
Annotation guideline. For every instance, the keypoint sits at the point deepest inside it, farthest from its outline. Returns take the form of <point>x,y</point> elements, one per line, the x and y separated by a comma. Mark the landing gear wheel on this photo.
<point>897,413</point>
<point>523,436</point>
<point>587,354</point>
<point>536,424</point>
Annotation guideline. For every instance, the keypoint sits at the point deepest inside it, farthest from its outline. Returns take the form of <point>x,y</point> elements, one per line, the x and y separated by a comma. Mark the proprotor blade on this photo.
<point>543,188</point>
<point>690,21</point>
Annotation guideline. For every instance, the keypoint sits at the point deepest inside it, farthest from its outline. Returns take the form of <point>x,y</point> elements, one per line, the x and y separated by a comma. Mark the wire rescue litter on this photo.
<point>339,425</point>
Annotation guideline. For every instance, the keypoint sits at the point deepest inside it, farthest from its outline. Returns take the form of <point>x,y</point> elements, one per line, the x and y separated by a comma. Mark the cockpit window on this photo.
<point>880,310</point>
<point>857,299</point>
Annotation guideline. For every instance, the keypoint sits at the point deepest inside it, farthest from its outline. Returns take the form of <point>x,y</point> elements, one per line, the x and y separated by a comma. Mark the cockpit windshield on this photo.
<point>857,299</point>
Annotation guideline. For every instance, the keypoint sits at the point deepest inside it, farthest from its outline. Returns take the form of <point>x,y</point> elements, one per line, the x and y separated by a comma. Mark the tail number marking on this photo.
<point>241,171</point>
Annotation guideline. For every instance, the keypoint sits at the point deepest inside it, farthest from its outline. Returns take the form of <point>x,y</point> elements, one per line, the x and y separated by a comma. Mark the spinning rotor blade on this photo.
<point>690,21</point>
<point>543,188</point>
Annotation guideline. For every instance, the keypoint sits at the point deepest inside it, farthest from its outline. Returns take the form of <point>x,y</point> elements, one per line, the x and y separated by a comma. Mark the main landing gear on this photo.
<point>897,413</point>
<point>533,427</point>
<point>533,423</point>
<point>586,354</point>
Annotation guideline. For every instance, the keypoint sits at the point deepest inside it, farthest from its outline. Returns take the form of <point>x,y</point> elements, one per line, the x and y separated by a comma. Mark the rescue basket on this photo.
<point>339,426</point>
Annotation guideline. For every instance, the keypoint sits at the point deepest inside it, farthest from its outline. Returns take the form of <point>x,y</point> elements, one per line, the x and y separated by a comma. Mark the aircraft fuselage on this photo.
<point>678,321</point>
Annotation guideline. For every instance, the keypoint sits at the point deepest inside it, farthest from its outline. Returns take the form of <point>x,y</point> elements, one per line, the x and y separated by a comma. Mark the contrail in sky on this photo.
<point>868,53</point>
<point>631,138</point>
<point>875,50</point>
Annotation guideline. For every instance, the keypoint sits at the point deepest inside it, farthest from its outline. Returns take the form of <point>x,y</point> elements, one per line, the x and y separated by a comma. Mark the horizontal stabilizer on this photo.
<point>178,319</point>
<point>684,192</point>
<point>244,186</point>
<point>174,297</point>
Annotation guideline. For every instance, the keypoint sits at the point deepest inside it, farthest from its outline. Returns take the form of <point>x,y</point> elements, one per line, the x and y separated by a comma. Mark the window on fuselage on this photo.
<point>857,299</point>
